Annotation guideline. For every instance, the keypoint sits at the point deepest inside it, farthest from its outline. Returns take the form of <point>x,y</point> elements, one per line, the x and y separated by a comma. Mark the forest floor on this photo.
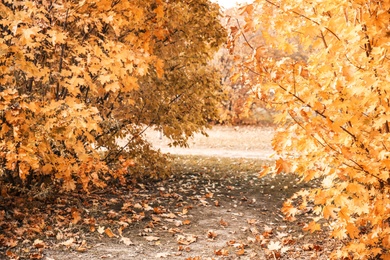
<point>214,206</point>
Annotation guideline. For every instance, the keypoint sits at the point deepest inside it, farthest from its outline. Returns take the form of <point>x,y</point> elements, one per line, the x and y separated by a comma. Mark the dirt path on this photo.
<point>213,207</point>
<point>223,141</point>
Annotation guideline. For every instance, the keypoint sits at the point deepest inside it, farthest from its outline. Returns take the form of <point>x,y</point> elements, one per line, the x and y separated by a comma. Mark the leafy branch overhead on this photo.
<point>331,87</point>
<point>78,76</point>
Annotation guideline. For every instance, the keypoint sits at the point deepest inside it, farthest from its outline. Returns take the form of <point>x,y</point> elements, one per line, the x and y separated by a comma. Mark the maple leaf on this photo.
<point>312,227</point>
<point>352,231</point>
<point>329,212</point>
<point>274,246</point>
<point>57,37</point>
<point>221,252</point>
<point>186,240</point>
<point>29,32</point>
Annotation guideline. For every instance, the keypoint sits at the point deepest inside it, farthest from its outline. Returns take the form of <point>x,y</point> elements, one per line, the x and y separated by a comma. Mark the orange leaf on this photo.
<point>282,166</point>
<point>186,222</point>
<point>240,252</point>
<point>75,215</point>
<point>221,252</point>
<point>352,230</point>
<point>109,233</point>
<point>312,227</point>
<point>159,68</point>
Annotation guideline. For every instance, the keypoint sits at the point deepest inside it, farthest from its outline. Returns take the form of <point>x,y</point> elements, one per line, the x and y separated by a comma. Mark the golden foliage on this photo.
<point>76,76</point>
<point>332,90</point>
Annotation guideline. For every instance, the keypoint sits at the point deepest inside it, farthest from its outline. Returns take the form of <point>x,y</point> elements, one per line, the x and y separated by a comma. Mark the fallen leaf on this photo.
<point>92,228</point>
<point>209,195</point>
<point>178,223</point>
<point>175,230</point>
<point>156,219</point>
<point>11,254</point>
<point>223,223</point>
<point>169,215</point>
<point>281,235</point>
<point>211,234</point>
<point>272,254</point>
<point>186,222</point>
<point>284,249</point>
<point>251,239</point>
<point>109,233</point>
<point>240,252</point>
<point>152,238</point>
<point>231,242</point>
<point>75,215</point>
<point>11,243</point>
<point>221,252</point>
<point>68,242</point>
<point>254,230</point>
<point>308,247</point>
<point>39,243</point>
<point>138,206</point>
<point>186,240</point>
<point>274,246</point>
<point>36,255</point>
<point>83,247</point>
<point>126,241</point>
<point>101,230</point>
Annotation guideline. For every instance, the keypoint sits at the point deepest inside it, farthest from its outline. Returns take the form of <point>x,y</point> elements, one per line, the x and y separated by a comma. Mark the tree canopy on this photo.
<point>332,91</point>
<point>76,76</point>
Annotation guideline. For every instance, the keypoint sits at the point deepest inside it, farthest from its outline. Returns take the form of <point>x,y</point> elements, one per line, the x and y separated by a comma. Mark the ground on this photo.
<point>213,207</point>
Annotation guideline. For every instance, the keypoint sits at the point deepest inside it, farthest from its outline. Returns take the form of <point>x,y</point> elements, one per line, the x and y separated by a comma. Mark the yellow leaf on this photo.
<point>312,227</point>
<point>114,86</point>
<point>329,212</point>
<point>344,214</point>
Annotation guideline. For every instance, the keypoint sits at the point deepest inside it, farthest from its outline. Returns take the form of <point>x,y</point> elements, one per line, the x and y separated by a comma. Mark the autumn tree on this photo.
<point>241,105</point>
<point>334,112</point>
<point>76,76</point>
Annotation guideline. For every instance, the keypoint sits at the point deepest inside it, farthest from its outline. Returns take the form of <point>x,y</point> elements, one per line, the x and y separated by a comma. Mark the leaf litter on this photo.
<point>210,208</point>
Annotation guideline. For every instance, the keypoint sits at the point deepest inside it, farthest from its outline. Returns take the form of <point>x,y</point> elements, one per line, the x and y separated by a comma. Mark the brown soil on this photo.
<point>213,207</point>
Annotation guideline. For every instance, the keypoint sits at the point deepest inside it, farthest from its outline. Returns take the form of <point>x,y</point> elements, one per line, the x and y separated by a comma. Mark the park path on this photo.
<point>223,141</point>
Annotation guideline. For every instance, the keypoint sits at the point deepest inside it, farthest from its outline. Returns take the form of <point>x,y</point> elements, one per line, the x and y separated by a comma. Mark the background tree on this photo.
<point>76,76</point>
<point>241,105</point>
<point>334,112</point>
